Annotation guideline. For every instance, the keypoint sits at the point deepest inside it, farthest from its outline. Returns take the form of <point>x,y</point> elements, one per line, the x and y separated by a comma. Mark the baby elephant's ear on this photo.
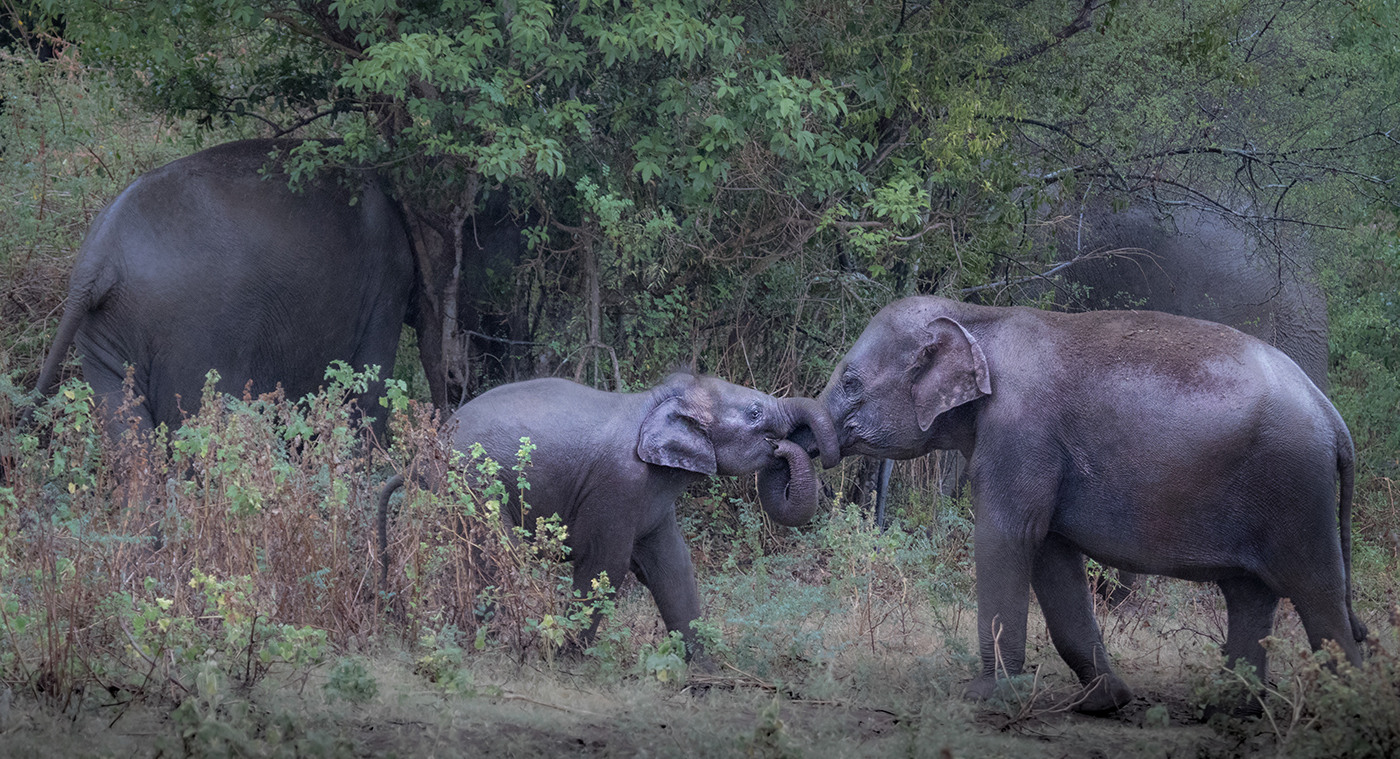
<point>949,370</point>
<point>673,434</point>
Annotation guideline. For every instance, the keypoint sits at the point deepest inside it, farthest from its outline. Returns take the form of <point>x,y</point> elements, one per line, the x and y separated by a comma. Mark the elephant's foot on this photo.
<point>980,689</point>
<point>702,663</point>
<point>1104,694</point>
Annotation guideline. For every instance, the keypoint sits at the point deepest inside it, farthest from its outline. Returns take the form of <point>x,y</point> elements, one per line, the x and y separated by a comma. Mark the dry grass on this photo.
<point>234,573</point>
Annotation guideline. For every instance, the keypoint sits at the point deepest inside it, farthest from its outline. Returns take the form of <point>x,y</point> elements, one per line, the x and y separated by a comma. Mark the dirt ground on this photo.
<point>902,701</point>
<point>551,714</point>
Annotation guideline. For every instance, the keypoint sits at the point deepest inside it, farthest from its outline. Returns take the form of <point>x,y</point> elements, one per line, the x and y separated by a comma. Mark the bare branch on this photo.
<point>1081,22</point>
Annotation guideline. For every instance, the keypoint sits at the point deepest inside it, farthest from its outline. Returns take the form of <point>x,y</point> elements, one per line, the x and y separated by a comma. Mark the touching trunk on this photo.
<point>787,490</point>
<point>811,414</point>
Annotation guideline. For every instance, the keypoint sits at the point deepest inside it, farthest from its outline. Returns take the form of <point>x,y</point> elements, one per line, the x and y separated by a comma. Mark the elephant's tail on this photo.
<point>75,311</point>
<point>1346,467</point>
<point>384,495</point>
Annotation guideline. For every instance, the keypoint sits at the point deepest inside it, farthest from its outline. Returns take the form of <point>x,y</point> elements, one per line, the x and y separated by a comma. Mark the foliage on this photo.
<point>243,567</point>
<point>215,723</point>
<point>350,681</point>
<point>70,140</point>
<point>1320,706</point>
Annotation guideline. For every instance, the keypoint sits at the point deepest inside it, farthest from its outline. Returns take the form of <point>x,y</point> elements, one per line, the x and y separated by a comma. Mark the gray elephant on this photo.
<point>205,264</point>
<point>1192,263</point>
<point>1147,441</point>
<point>612,465</point>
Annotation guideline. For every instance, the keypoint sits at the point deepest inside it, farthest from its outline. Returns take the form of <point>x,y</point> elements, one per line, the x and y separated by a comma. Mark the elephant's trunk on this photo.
<point>787,489</point>
<point>811,414</point>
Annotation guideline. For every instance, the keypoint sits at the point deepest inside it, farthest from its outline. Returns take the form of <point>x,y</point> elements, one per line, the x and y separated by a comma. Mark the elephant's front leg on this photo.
<point>595,552</point>
<point>1003,600</point>
<point>1063,591</point>
<point>661,560</point>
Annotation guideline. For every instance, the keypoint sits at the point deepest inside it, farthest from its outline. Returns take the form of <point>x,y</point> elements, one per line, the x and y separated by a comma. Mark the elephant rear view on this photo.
<point>207,264</point>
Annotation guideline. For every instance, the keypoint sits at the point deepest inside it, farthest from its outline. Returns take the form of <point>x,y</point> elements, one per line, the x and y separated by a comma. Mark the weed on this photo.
<point>770,739</point>
<point>664,661</point>
<point>1319,705</point>
<point>350,681</point>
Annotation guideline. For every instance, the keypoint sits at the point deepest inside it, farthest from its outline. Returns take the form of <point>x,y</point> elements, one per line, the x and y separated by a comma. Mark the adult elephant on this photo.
<point>611,465</point>
<point>1193,263</point>
<point>206,263</point>
<point>1147,441</point>
<point>1187,262</point>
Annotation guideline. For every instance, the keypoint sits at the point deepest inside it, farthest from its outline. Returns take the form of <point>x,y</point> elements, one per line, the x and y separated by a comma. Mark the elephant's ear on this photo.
<point>948,371</point>
<point>674,434</point>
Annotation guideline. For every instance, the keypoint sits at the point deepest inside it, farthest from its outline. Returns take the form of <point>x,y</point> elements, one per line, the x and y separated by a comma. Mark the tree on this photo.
<point>711,182</point>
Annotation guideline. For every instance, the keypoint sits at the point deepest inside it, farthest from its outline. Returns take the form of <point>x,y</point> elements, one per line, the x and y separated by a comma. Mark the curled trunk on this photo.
<point>787,489</point>
<point>820,432</point>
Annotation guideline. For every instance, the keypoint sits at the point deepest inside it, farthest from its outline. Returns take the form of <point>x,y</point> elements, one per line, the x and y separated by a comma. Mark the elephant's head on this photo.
<point>709,426</point>
<point>914,363</point>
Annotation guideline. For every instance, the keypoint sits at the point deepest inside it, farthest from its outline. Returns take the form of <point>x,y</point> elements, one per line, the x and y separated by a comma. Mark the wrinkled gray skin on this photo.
<point>1191,263</point>
<point>203,264</point>
<point>612,465</point>
<point>1145,441</point>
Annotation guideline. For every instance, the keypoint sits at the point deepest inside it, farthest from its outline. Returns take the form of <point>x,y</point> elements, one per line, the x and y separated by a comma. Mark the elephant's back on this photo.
<point>580,437</point>
<point>1134,347</point>
<point>204,263</point>
<point>552,412</point>
<point>1199,265</point>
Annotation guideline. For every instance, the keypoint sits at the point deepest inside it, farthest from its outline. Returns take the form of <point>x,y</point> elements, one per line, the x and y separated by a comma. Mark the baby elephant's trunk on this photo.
<point>813,430</point>
<point>787,489</point>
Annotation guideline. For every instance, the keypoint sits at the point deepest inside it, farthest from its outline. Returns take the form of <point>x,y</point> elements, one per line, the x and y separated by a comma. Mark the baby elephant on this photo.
<point>612,465</point>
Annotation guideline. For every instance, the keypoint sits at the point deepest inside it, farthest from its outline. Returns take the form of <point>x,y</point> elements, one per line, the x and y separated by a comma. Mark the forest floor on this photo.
<point>895,694</point>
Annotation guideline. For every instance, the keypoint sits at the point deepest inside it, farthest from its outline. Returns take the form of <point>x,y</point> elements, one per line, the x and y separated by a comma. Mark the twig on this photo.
<point>508,696</point>
<point>137,648</point>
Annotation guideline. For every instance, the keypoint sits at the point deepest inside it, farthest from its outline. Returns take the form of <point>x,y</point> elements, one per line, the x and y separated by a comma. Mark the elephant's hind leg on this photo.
<point>1063,591</point>
<point>1322,605</point>
<point>1249,609</point>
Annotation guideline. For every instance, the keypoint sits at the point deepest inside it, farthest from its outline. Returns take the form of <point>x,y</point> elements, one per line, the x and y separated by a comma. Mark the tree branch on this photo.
<point>1081,22</point>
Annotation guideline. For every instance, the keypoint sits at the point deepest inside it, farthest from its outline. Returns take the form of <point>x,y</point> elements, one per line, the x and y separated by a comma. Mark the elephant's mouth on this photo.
<point>858,441</point>
<point>804,439</point>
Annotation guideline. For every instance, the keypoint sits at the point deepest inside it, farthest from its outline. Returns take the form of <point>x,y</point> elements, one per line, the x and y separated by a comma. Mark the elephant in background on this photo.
<point>1192,263</point>
<point>206,264</point>
<point>611,465</point>
<point>1146,441</point>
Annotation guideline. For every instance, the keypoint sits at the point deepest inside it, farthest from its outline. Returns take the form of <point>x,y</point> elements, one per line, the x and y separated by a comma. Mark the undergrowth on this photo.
<point>1316,704</point>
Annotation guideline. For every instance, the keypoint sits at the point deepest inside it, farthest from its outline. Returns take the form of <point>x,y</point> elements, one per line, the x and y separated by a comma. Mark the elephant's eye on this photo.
<point>851,386</point>
<point>755,413</point>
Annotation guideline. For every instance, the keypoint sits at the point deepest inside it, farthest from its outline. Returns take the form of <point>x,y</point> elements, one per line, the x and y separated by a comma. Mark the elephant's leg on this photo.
<point>1321,601</point>
<point>595,554</point>
<point>661,560</point>
<point>1063,591</point>
<point>1003,600</point>
<point>1249,609</point>
<point>379,348</point>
